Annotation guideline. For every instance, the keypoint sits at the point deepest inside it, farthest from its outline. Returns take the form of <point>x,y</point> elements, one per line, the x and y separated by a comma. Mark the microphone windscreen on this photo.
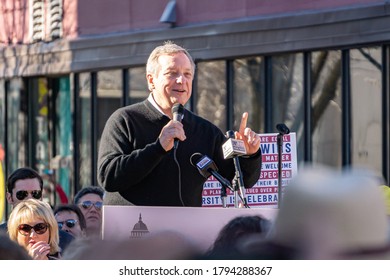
<point>195,158</point>
<point>230,134</point>
<point>178,112</point>
<point>204,164</point>
<point>282,128</point>
<point>233,147</point>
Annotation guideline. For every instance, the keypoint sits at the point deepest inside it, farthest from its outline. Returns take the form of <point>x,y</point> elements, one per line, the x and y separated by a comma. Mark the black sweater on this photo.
<point>133,167</point>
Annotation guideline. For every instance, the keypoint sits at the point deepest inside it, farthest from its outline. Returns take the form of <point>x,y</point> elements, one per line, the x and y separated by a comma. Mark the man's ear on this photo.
<point>149,78</point>
<point>9,198</point>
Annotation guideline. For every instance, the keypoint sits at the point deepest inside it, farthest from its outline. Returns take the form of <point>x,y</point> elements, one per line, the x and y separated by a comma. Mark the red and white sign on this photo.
<point>265,192</point>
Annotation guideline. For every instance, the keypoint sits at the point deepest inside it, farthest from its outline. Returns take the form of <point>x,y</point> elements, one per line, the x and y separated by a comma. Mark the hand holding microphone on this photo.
<point>178,114</point>
<point>173,132</point>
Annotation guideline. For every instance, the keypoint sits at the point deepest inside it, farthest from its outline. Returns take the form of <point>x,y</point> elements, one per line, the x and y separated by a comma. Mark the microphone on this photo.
<point>207,167</point>
<point>178,114</point>
<point>233,147</point>
<point>282,128</point>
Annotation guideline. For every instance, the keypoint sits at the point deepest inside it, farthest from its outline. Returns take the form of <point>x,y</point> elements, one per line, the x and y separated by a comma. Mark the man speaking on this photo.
<point>145,148</point>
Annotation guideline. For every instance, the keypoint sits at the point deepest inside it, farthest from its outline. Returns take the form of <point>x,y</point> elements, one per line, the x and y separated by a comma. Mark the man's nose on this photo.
<point>180,79</point>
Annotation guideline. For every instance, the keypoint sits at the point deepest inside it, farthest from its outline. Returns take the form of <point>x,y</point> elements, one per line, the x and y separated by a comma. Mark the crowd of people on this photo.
<point>325,214</point>
<point>43,231</point>
<point>144,160</point>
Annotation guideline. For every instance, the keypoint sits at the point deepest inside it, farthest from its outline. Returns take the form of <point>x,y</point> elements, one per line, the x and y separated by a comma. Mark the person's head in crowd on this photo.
<point>25,183</point>
<point>161,59</point>
<point>10,250</point>
<point>33,226</point>
<point>329,214</point>
<point>22,184</point>
<point>70,219</point>
<point>227,243</point>
<point>90,202</point>
<point>158,246</point>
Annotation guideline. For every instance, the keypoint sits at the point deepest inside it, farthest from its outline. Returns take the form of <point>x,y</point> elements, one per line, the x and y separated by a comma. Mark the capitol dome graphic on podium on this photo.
<point>140,229</point>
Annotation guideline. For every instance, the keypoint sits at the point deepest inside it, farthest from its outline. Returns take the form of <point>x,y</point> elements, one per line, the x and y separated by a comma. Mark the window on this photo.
<point>17,125</point>
<point>326,107</point>
<point>366,107</point>
<point>287,95</point>
<point>137,84</point>
<point>249,92</point>
<point>211,92</point>
<point>85,124</point>
<point>109,96</point>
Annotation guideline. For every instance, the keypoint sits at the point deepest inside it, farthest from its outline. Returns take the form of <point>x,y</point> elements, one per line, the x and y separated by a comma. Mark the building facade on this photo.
<point>320,67</point>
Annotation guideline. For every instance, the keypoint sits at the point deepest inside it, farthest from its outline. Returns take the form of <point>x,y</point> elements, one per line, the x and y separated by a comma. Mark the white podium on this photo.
<point>199,224</point>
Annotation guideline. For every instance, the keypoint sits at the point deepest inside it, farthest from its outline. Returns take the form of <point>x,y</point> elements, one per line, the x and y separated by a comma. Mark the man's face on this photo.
<point>92,213</point>
<point>173,81</point>
<point>69,222</point>
<point>23,187</point>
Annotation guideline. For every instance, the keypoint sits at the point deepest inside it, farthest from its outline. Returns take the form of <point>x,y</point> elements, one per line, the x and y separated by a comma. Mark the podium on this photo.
<point>199,224</point>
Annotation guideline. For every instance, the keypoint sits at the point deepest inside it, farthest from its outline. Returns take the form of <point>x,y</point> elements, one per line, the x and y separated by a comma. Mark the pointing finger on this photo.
<point>243,123</point>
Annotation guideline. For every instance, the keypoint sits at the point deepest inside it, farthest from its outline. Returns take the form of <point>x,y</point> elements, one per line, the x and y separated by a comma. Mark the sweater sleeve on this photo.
<point>120,165</point>
<point>251,168</point>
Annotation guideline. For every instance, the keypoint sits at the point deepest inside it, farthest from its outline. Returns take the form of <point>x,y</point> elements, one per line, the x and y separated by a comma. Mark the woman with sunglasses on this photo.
<point>33,226</point>
<point>24,183</point>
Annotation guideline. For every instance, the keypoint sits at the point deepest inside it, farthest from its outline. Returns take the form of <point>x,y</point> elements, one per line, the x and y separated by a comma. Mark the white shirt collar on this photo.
<point>153,102</point>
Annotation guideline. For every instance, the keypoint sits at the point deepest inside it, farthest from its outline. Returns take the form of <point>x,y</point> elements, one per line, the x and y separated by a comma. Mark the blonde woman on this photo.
<point>33,226</point>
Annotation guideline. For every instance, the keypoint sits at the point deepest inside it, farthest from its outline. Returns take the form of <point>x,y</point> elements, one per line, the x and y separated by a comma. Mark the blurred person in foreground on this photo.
<point>226,245</point>
<point>70,219</point>
<point>137,162</point>
<point>90,201</point>
<point>10,250</point>
<point>33,226</point>
<point>327,214</point>
<point>167,245</point>
<point>25,183</point>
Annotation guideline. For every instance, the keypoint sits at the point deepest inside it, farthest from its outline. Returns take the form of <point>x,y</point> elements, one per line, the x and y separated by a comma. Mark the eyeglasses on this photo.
<point>88,204</point>
<point>69,223</point>
<point>23,194</point>
<point>25,229</point>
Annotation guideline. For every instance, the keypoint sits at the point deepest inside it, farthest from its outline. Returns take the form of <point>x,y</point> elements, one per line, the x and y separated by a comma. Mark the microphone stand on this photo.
<point>238,184</point>
<point>223,196</point>
<point>283,129</point>
<point>225,185</point>
<point>238,181</point>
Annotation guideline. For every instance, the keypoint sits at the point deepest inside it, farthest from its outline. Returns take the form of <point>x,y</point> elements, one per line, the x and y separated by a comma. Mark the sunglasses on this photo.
<point>25,229</point>
<point>69,223</point>
<point>88,204</point>
<point>20,195</point>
